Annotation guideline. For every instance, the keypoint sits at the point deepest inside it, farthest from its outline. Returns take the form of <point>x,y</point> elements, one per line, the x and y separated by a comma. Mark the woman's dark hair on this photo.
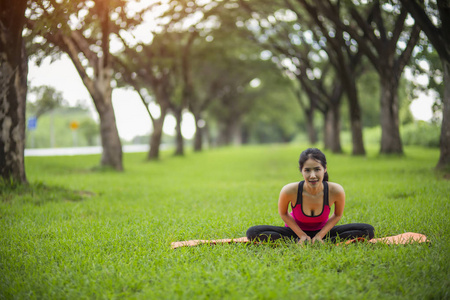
<point>315,154</point>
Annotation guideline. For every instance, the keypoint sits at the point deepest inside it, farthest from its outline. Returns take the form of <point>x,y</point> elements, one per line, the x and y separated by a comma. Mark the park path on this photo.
<point>82,150</point>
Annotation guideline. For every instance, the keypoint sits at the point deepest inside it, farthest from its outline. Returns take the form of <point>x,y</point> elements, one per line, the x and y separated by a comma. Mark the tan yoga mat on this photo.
<point>404,238</point>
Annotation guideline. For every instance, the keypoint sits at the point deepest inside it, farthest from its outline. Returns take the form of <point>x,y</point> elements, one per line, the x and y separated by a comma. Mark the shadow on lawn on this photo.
<point>38,193</point>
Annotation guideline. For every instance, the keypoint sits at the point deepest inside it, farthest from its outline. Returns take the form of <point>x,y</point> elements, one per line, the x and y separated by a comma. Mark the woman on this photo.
<point>311,200</point>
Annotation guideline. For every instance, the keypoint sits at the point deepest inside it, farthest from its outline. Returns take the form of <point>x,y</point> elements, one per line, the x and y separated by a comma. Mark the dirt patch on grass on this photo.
<point>39,194</point>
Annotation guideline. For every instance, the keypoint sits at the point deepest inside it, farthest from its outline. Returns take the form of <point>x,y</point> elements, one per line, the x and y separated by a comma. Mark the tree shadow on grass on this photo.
<point>39,194</point>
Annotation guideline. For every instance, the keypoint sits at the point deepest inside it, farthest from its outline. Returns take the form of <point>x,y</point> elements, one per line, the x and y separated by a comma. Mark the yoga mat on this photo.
<point>404,238</point>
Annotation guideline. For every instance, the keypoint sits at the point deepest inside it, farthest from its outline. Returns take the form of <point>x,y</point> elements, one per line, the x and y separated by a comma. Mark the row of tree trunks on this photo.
<point>13,91</point>
<point>380,46</point>
<point>230,132</point>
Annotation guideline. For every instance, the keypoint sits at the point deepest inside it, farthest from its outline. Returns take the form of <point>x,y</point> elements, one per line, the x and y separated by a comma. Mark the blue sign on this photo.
<point>32,123</point>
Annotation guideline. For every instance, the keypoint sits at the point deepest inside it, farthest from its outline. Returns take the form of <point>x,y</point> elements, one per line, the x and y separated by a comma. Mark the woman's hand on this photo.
<point>303,238</point>
<point>317,238</point>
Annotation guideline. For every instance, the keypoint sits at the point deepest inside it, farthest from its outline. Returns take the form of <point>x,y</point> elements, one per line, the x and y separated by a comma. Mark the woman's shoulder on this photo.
<point>290,188</point>
<point>335,188</point>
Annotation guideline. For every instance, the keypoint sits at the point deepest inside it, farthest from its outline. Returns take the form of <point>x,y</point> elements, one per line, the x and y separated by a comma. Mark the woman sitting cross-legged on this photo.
<point>311,200</point>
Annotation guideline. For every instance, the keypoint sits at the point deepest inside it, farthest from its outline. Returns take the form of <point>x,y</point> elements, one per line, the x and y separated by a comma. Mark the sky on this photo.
<point>131,116</point>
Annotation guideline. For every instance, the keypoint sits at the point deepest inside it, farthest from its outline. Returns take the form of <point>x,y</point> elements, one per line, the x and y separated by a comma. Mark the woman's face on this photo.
<point>313,172</point>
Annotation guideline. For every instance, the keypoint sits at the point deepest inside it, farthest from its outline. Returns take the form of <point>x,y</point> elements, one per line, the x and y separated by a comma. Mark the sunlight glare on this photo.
<point>256,82</point>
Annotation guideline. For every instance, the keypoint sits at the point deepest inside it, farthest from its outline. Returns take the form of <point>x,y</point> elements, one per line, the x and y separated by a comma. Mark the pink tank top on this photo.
<point>308,223</point>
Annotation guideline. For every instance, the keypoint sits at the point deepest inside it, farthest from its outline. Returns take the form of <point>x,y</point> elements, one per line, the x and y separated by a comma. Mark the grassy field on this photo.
<point>79,233</point>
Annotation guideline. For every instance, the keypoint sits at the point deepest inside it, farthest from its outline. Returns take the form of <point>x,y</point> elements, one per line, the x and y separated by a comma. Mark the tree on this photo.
<point>153,71</point>
<point>87,42</point>
<point>13,91</point>
<point>379,40</point>
<point>184,39</point>
<point>202,81</point>
<point>230,63</point>
<point>268,26</point>
<point>345,58</point>
<point>89,129</point>
<point>233,102</point>
<point>298,51</point>
<point>47,99</point>
<point>439,36</point>
<point>220,60</point>
<point>54,128</point>
<point>275,116</point>
<point>309,112</point>
<point>325,95</point>
<point>198,47</point>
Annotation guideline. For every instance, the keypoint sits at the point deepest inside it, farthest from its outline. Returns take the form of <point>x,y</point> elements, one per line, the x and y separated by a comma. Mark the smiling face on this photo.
<point>313,172</point>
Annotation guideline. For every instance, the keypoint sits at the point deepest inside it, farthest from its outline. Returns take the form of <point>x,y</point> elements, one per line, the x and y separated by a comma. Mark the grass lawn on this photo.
<point>77,232</point>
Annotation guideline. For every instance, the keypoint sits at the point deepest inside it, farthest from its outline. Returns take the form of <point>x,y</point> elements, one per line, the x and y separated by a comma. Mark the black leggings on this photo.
<point>343,232</point>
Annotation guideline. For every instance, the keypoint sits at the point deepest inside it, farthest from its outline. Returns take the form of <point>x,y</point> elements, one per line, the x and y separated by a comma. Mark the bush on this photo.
<point>420,133</point>
<point>372,135</point>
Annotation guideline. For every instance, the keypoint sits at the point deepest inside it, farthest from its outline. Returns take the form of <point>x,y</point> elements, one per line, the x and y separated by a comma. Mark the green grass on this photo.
<point>79,233</point>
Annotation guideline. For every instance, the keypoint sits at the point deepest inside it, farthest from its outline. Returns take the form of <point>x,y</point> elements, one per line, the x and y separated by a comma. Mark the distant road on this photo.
<point>82,150</point>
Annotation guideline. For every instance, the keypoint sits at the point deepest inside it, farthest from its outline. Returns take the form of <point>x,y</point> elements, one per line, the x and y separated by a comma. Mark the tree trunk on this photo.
<point>355,118</point>
<point>209,138</point>
<point>444,159</point>
<point>155,140</point>
<point>101,93</point>
<point>389,107</point>
<point>111,144</point>
<point>100,90</point>
<point>439,38</point>
<point>179,141</point>
<point>99,87</point>
<point>112,147</point>
<point>332,129</point>
<point>230,132</point>
<point>12,121</point>
<point>236,131</point>
<point>336,121</point>
<point>312,133</point>
<point>13,92</point>
<point>327,130</point>
<point>357,130</point>
<point>245,134</point>
<point>156,136</point>
<point>224,136</point>
<point>198,137</point>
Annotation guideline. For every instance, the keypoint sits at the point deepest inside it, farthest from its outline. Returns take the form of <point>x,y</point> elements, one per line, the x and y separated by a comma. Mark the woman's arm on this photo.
<point>337,196</point>
<point>287,193</point>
